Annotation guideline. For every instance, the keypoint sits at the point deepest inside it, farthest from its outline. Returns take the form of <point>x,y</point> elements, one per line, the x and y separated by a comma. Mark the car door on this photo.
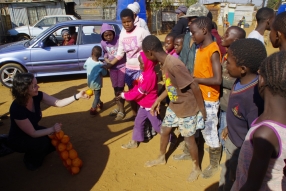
<point>89,36</point>
<point>43,25</point>
<point>55,60</point>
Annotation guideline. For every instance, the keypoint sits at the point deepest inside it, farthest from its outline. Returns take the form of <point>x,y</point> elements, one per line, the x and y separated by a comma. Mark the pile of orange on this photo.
<point>66,151</point>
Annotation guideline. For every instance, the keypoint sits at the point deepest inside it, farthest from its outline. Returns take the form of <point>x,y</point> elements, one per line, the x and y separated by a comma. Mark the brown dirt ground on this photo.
<point>97,139</point>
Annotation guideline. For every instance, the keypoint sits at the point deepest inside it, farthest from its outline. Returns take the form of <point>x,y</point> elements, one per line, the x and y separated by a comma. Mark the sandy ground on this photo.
<point>97,139</point>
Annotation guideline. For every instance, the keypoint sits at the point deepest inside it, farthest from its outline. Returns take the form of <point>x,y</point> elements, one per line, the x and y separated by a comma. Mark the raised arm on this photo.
<point>216,79</point>
<point>52,101</point>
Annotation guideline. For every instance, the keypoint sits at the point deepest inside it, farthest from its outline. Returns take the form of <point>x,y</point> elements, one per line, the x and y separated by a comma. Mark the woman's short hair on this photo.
<point>20,88</point>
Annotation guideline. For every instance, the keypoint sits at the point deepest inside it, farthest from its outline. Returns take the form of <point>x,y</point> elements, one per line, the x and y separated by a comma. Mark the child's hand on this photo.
<point>224,133</point>
<point>204,113</point>
<point>155,109</point>
<point>118,97</point>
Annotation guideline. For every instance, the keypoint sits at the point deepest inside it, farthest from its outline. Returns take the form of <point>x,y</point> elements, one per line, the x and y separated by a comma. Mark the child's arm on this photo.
<point>105,54</point>
<point>155,109</point>
<point>120,53</point>
<point>199,97</point>
<point>216,79</point>
<point>265,146</point>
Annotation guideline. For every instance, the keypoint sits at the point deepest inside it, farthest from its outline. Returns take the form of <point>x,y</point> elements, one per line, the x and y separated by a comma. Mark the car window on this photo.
<point>46,22</point>
<point>61,19</point>
<point>91,34</point>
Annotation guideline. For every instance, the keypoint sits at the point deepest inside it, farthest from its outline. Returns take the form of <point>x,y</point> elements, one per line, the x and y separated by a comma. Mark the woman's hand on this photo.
<point>57,127</point>
<point>82,94</point>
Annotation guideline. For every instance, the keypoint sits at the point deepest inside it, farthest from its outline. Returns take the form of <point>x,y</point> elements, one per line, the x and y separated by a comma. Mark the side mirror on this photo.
<point>41,44</point>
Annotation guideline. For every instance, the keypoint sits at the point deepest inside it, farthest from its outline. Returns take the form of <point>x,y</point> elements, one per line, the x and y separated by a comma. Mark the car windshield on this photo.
<point>33,40</point>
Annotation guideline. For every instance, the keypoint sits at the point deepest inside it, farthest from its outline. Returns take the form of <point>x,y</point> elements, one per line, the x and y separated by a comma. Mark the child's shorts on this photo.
<point>187,125</point>
<point>130,76</point>
<point>117,77</point>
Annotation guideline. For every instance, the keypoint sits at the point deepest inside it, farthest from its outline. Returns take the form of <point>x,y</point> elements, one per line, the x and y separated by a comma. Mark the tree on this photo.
<point>273,4</point>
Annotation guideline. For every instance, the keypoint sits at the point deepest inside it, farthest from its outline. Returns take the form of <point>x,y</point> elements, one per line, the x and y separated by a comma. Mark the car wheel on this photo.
<point>23,37</point>
<point>7,73</point>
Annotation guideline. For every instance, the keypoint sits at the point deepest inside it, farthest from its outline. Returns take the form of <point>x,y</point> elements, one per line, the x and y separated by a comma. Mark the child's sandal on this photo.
<point>113,112</point>
<point>120,116</point>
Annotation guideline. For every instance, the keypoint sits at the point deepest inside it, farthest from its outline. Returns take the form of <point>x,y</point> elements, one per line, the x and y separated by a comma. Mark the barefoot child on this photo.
<point>186,109</point>
<point>244,103</point>
<point>262,155</point>
<point>264,18</point>
<point>232,34</point>
<point>169,44</point>
<point>130,43</point>
<point>94,76</point>
<point>145,94</point>
<point>109,45</point>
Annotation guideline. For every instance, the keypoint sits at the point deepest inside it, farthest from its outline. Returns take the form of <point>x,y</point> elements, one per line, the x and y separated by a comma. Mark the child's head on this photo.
<point>127,19</point>
<point>265,16</point>
<point>141,63</point>
<point>199,28</point>
<point>96,52</point>
<point>232,34</point>
<point>278,30</point>
<point>169,41</point>
<point>178,43</point>
<point>272,73</point>
<point>107,32</point>
<point>242,61</point>
<point>150,45</point>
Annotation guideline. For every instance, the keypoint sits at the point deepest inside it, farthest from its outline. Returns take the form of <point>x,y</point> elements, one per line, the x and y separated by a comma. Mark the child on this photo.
<point>94,76</point>
<point>109,45</point>
<point>178,43</point>
<point>264,18</point>
<point>262,155</point>
<point>145,94</point>
<point>244,104</point>
<point>130,42</point>
<point>186,109</point>
<point>207,73</point>
<point>278,32</point>
<point>169,44</point>
<point>232,34</point>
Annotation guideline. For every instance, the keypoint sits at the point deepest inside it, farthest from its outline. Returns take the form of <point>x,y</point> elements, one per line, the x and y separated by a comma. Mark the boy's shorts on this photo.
<point>130,76</point>
<point>187,125</point>
<point>117,77</point>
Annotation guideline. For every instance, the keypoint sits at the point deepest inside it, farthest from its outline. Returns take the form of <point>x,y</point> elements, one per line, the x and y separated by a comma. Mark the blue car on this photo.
<point>46,54</point>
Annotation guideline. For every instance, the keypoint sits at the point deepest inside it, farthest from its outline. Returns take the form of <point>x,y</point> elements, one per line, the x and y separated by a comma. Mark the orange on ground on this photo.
<point>68,161</point>
<point>60,135</point>
<point>69,146</point>
<point>55,142</point>
<point>74,170</point>
<point>64,155</point>
<point>72,154</point>
<point>76,162</point>
<point>52,136</point>
<point>80,165</point>
<point>89,92</point>
<point>65,139</point>
<point>61,147</point>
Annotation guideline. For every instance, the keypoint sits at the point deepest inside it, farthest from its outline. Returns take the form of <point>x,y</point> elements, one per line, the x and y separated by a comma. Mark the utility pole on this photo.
<point>263,3</point>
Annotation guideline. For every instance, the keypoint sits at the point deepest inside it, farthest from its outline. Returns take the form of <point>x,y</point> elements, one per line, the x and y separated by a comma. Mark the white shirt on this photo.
<point>255,34</point>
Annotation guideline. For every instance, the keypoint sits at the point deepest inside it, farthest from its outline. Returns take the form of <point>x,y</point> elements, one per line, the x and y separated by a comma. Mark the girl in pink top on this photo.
<point>144,93</point>
<point>261,159</point>
<point>169,45</point>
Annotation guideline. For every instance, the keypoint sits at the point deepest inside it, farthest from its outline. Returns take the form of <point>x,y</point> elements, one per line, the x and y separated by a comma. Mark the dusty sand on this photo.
<point>97,139</point>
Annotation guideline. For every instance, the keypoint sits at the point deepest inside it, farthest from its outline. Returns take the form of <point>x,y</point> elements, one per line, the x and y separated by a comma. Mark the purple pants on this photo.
<point>138,130</point>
